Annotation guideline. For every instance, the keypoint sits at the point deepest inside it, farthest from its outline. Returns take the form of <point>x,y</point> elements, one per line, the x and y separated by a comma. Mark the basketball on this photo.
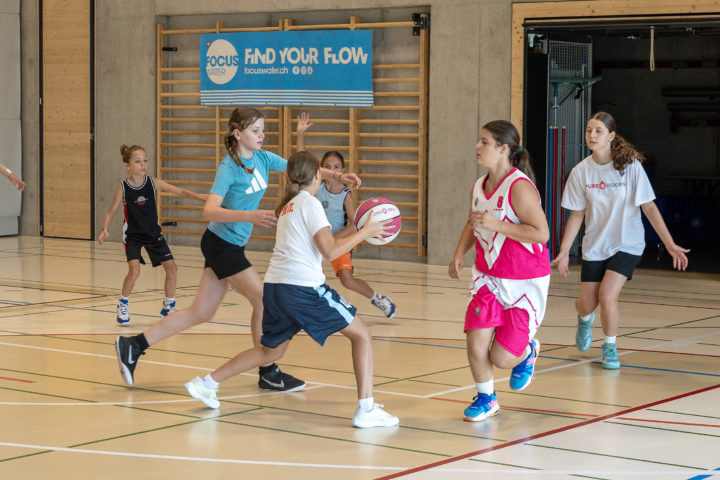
<point>379,209</point>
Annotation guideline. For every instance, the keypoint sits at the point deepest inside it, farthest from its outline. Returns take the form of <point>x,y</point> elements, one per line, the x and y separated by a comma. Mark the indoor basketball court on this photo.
<point>66,409</point>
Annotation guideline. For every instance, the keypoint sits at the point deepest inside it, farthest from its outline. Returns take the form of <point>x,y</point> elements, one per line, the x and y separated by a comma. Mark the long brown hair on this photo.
<point>622,152</point>
<point>505,133</point>
<point>240,119</point>
<point>127,152</point>
<point>301,169</point>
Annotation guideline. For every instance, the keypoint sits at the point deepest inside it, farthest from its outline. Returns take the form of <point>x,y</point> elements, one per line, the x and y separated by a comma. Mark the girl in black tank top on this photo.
<point>141,228</point>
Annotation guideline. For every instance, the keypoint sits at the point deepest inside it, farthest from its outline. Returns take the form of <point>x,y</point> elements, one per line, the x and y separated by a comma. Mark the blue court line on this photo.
<point>700,477</point>
<point>666,370</point>
<point>458,348</point>
<point>16,302</point>
<point>377,339</point>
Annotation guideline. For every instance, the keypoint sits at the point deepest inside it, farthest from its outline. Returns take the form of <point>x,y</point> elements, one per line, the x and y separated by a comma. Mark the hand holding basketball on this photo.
<point>380,210</point>
<point>376,229</point>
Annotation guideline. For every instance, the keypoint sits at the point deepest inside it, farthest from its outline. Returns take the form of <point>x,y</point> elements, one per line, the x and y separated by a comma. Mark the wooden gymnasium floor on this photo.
<point>65,411</point>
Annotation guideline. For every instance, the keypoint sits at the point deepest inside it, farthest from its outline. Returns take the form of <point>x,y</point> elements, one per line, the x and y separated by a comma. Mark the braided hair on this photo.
<point>240,119</point>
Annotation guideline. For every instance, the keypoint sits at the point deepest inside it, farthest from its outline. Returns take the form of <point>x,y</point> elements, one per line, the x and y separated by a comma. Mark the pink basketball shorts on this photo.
<point>515,308</point>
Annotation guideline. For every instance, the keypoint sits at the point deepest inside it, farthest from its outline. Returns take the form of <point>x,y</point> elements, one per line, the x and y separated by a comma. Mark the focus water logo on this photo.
<point>222,61</point>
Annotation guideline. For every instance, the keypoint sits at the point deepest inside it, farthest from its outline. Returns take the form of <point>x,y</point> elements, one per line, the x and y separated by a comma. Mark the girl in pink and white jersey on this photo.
<point>511,274</point>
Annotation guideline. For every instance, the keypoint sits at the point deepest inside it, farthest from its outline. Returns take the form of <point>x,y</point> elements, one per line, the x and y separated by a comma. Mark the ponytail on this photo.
<point>301,169</point>
<point>505,133</point>
<point>127,152</point>
<point>521,160</point>
<point>623,153</point>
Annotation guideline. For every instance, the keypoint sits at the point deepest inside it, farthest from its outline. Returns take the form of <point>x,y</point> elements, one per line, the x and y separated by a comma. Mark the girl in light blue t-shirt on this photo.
<point>231,207</point>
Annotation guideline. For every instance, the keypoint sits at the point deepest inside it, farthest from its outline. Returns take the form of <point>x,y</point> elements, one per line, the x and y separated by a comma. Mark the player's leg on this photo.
<point>270,377</point>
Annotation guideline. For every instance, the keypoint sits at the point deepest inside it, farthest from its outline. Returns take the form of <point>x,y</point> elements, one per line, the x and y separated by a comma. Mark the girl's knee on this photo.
<point>133,272</point>
<point>607,300</point>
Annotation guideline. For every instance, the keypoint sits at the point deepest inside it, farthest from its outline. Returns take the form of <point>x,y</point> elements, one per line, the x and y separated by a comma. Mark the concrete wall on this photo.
<point>469,85</point>
<point>10,128</point>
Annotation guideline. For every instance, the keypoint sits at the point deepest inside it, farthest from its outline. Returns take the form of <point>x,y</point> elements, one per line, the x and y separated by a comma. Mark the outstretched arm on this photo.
<point>331,247</point>
<point>215,212</point>
<point>680,260</point>
<point>117,198</point>
<point>349,208</point>
<point>14,179</point>
<point>180,192</point>
<point>303,123</point>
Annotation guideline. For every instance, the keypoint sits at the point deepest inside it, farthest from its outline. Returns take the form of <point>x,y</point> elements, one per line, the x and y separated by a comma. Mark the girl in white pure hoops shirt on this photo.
<point>607,190</point>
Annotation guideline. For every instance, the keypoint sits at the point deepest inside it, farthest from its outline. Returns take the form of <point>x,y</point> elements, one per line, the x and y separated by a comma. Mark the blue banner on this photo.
<point>312,68</point>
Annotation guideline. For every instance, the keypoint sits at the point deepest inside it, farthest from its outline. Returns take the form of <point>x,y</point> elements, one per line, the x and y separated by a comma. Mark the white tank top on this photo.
<point>496,254</point>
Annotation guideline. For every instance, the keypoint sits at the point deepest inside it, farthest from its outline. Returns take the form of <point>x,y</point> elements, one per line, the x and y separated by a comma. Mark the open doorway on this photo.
<point>660,79</point>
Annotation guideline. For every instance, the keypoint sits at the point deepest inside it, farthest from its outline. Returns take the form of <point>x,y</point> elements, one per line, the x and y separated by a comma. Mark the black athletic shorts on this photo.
<point>225,258</point>
<point>622,263</point>
<point>158,252</point>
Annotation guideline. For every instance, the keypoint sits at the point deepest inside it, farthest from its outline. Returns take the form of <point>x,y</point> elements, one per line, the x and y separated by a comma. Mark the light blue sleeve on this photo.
<point>275,163</point>
<point>224,177</point>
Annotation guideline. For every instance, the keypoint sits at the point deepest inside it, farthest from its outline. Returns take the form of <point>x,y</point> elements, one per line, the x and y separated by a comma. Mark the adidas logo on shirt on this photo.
<point>257,184</point>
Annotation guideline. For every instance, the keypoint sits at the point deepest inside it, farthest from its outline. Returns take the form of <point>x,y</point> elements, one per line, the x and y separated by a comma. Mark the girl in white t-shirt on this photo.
<point>295,296</point>
<point>607,190</point>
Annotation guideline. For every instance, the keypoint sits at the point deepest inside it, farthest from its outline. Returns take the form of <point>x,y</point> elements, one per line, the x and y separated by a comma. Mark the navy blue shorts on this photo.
<point>320,311</point>
<point>622,263</point>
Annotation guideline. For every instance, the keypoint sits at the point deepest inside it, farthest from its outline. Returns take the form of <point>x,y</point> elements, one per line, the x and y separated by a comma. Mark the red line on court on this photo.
<point>592,415</point>
<point>668,422</point>
<point>17,380</point>
<point>544,434</point>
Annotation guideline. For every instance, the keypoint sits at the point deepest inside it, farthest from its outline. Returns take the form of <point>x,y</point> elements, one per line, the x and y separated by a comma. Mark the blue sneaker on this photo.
<point>483,406</point>
<point>610,357</point>
<point>583,336</point>
<point>522,373</point>
<point>167,308</point>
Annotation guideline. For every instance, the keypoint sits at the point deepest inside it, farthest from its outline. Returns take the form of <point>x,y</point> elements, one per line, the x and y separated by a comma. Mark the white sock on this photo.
<point>610,339</point>
<point>486,387</point>
<point>586,318</point>
<point>169,300</point>
<point>210,382</point>
<point>375,297</point>
<point>124,299</point>
<point>366,404</point>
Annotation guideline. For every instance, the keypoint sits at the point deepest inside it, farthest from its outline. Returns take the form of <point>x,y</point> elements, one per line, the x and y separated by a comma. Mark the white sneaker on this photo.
<point>207,395</point>
<point>384,304</point>
<point>123,313</point>
<point>377,417</point>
